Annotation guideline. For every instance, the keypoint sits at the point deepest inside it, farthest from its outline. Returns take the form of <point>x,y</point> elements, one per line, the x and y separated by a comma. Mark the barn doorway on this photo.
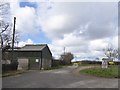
<point>22,63</point>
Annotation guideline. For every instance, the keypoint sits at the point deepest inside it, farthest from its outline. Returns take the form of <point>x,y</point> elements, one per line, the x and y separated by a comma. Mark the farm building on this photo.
<point>32,57</point>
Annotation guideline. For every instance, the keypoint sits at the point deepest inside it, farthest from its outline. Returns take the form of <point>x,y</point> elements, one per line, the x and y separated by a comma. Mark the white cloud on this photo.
<point>25,18</point>
<point>23,43</point>
<point>69,40</point>
<point>65,0</point>
<point>56,22</point>
<point>54,26</point>
<point>56,50</point>
<point>114,42</point>
<point>83,28</point>
<point>98,44</point>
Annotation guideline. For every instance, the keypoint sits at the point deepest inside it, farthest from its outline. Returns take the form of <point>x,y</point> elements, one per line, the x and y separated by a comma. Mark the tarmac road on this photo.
<point>66,77</point>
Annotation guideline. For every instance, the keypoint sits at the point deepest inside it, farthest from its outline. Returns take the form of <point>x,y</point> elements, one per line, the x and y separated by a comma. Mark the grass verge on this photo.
<point>12,73</point>
<point>111,72</point>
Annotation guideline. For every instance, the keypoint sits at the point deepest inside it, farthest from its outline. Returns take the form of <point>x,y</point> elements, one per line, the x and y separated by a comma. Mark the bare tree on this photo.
<point>67,57</point>
<point>111,52</point>
<point>4,11</point>
<point>6,31</point>
<point>5,27</point>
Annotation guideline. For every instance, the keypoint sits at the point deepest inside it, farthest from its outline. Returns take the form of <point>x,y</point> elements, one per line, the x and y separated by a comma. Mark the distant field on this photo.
<point>111,72</point>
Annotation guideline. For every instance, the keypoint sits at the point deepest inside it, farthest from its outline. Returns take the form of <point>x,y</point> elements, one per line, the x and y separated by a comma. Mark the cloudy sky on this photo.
<point>83,28</point>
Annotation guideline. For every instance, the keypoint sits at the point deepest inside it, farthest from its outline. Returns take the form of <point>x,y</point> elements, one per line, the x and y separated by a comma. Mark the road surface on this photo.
<point>66,77</point>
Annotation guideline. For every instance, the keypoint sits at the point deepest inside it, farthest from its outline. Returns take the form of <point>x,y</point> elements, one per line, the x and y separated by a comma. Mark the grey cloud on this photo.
<point>100,31</point>
<point>88,21</point>
<point>82,13</point>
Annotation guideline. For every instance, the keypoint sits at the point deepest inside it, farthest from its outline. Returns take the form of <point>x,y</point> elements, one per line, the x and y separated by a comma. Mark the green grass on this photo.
<point>12,73</point>
<point>111,72</point>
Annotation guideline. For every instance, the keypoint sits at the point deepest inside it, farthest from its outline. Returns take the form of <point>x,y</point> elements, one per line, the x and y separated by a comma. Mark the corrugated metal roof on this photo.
<point>32,47</point>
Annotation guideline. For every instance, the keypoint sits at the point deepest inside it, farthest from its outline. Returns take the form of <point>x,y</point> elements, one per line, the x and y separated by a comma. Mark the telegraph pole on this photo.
<point>13,40</point>
<point>64,50</point>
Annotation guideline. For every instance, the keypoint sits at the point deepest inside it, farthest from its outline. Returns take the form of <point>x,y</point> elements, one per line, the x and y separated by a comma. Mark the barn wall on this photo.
<point>32,56</point>
<point>46,58</point>
<point>29,54</point>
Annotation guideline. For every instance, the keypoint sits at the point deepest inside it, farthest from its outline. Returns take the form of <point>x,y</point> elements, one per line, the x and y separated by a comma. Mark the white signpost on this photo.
<point>104,64</point>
